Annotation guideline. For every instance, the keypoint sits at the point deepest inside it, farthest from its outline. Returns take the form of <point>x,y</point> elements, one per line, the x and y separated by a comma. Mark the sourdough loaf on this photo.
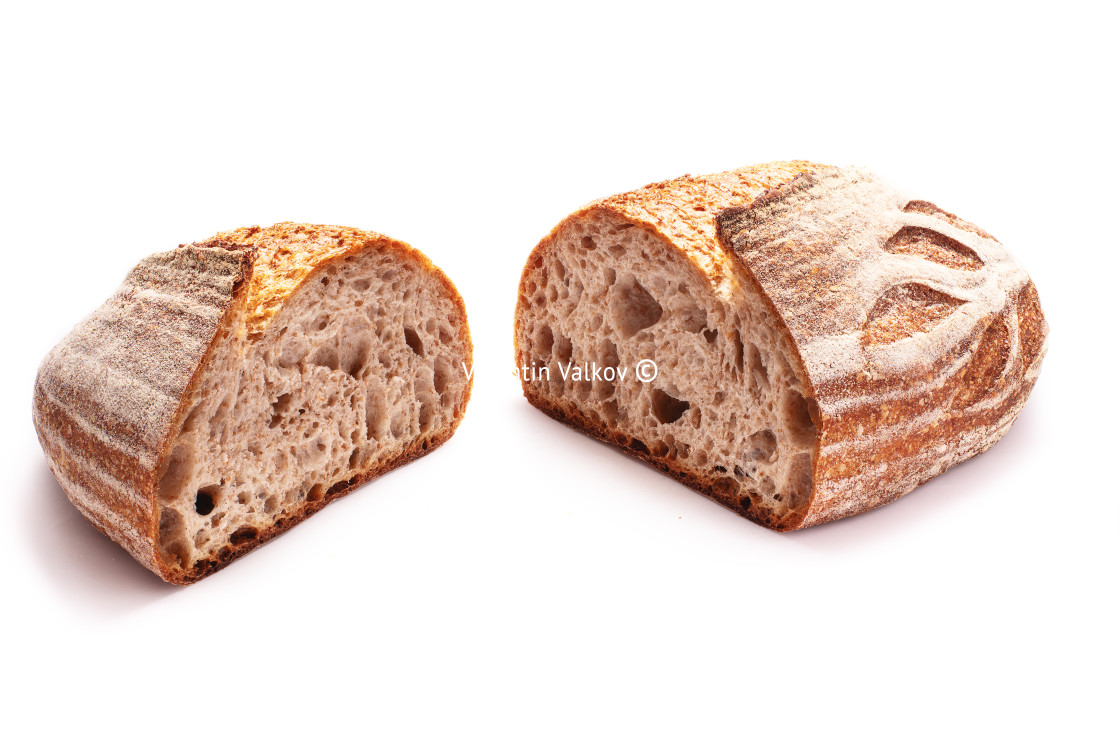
<point>229,389</point>
<point>824,345</point>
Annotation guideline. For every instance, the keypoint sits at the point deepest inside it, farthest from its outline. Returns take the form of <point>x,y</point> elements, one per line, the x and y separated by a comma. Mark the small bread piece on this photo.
<point>230,389</point>
<point>824,345</point>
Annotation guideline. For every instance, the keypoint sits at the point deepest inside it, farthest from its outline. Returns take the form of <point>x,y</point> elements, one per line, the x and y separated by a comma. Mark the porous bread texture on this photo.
<point>230,389</point>
<point>727,408</point>
<point>824,344</point>
<point>363,363</point>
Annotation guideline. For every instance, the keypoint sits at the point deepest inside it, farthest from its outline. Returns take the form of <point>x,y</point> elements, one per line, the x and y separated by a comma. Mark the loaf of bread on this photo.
<point>823,344</point>
<point>230,389</point>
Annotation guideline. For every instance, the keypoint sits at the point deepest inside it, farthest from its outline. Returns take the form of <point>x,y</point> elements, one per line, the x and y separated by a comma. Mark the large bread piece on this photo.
<point>824,345</point>
<point>232,388</point>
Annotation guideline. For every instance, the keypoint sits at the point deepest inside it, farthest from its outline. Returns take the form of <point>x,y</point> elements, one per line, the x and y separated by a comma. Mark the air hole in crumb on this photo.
<point>762,446</point>
<point>316,493</point>
<point>172,533</point>
<point>667,408</point>
<point>799,480</point>
<point>204,500</point>
<point>799,420</point>
<point>279,407</point>
<point>377,417</point>
<point>608,353</point>
<point>243,535</point>
<point>427,415</point>
<point>692,317</point>
<point>544,340</point>
<point>632,307</point>
<point>563,349</point>
<point>338,487</point>
<point>639,446</point>
<point>754,361</point>
<point>610,411</point>
<point>737,341</point>
<point>587,242</point>
<point>413,341</point>
<point>441,376</point>
<point>327,356</point>
<point>710,335</point>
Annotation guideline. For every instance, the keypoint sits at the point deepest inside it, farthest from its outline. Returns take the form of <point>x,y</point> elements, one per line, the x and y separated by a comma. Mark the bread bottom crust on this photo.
<point>702,484</point>
<point>202,569</point>
<point>707,487</point>
<point>419,448</point>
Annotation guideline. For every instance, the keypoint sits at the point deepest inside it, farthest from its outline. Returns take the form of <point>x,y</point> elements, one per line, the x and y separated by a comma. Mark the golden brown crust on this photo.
<point>683,211</point>
<point>287,253</point>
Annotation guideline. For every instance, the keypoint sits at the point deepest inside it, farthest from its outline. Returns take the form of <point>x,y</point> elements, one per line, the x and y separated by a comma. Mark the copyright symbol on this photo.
<point>646,370</point>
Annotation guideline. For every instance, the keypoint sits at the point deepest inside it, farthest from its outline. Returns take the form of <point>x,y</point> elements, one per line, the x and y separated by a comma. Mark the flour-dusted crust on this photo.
<point>830,344</point>
<point>232,388</point>
<point>108,396</point>
<point>920,335</point>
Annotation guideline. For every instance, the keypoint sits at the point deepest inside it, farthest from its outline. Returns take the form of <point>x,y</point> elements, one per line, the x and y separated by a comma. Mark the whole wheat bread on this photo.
<point>231,388</point>
<point>824,345</point>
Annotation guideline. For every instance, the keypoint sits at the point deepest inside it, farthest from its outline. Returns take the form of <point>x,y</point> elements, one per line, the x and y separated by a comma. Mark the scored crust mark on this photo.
<point>905,310</point>
<point>980,377</point>
<point>928,208</point>
<point>1032,325</point>
<point>821,355</point>
<point>933,293</point>
<point>934,246</point>
<point>348,359</point>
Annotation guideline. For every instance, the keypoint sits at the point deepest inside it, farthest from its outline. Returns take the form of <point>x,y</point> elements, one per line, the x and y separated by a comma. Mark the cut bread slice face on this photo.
<point>823,345</point>
<point>729,411</point>
<point>251,380</point>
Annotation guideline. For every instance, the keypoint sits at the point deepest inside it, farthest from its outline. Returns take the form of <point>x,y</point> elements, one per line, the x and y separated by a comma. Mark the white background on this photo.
<point>523,584</point>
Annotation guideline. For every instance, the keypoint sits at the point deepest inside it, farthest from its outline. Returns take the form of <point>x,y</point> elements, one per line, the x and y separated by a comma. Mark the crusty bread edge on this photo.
<point>702,484</point>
